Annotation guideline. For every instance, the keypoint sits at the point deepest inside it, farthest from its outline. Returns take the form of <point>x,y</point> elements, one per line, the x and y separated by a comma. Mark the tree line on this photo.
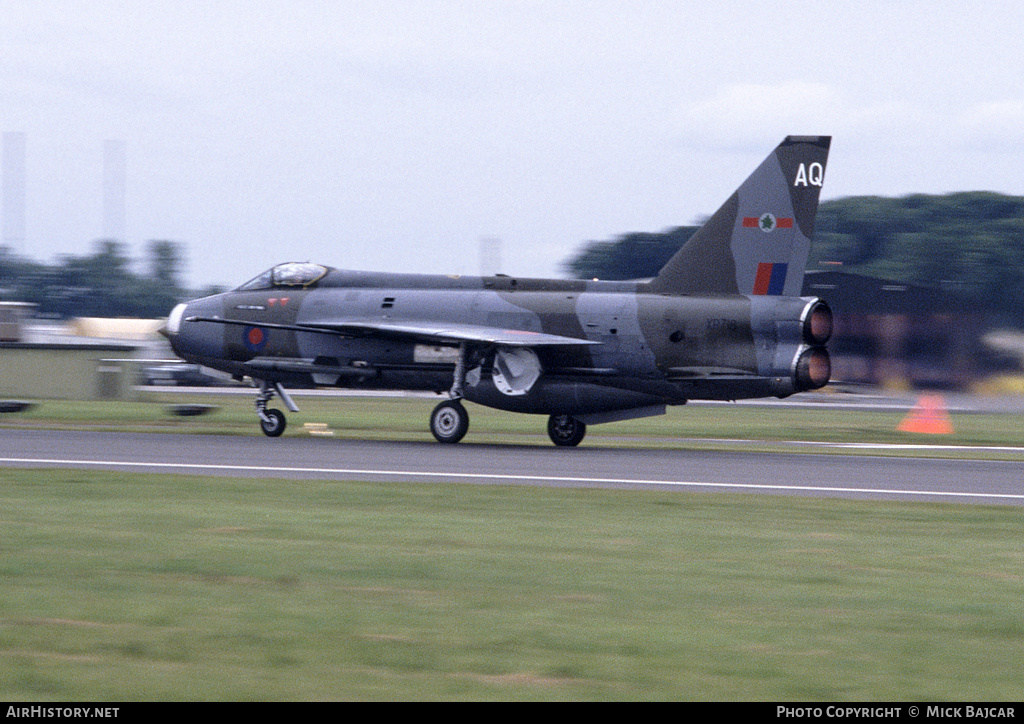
<point>100,284</point>
<point>968,243</point>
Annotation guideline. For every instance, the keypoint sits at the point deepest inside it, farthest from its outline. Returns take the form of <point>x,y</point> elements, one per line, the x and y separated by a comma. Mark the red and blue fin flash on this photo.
<point>771,278</point>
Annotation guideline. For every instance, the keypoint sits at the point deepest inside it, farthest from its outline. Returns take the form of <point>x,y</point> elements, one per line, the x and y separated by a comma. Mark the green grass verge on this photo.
<point>406,419</point>
<point>159,587</point>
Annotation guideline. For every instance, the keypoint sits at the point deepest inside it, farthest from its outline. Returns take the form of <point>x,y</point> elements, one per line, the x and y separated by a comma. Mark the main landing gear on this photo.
<point>449,421</point>
<point>566,430</point>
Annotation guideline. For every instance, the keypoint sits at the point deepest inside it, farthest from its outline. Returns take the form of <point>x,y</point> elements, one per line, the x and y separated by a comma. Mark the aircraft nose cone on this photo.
<point>172,326</point>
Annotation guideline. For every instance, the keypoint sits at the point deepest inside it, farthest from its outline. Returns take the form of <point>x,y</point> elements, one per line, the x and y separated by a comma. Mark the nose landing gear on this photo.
<point>272,421</point>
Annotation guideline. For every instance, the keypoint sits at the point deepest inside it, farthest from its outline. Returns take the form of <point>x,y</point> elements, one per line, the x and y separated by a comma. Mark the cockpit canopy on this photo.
<point>290,274</point>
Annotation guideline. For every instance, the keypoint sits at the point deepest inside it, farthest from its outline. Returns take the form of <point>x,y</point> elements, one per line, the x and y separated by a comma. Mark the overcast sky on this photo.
<point>395,135</point>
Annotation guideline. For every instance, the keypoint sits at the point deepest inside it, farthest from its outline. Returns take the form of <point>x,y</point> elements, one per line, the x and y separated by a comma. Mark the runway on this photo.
<point>324,458</point>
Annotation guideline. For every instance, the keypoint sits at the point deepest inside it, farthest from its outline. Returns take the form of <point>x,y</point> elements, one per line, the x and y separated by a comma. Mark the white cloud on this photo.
<point>993,126</point>
<point>743,116</point>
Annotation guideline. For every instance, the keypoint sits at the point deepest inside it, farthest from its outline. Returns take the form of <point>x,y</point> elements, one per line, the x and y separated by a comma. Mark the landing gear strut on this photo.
<point>272,421</point>
<point>566,430</point>
<point>449,421</point>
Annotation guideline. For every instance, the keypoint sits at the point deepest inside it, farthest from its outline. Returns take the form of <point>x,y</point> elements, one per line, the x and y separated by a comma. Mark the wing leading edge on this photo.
<point>417,330</point>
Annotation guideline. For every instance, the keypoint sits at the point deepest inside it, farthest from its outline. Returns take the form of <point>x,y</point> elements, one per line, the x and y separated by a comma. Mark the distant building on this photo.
<point>898,335</point>
<point>85,359</point>
<point>12,320</point>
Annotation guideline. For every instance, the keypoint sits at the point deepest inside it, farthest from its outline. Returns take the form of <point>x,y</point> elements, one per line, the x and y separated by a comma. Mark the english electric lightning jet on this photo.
<point>722,320</point>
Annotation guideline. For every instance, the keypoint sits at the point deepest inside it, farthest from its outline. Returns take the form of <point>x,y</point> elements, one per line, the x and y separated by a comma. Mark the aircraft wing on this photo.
<point>426,331</point>
<point>453,332</point>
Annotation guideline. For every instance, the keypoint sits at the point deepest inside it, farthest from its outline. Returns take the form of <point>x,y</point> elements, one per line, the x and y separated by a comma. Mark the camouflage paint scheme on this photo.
<point>722,320</point>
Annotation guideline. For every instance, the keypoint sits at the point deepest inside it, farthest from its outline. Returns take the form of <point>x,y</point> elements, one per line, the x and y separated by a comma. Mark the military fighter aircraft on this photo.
<point>723,320</point>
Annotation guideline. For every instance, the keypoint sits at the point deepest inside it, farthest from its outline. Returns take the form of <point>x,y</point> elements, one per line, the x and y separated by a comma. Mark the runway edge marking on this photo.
<point>507,477</point>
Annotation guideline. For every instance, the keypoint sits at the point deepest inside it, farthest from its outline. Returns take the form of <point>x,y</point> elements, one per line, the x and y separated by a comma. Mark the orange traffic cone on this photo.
<point>927,416</point>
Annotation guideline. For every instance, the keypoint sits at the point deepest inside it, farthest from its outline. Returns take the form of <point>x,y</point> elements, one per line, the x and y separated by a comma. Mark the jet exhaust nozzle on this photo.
<point>818,323</point>
<point>813,369</point>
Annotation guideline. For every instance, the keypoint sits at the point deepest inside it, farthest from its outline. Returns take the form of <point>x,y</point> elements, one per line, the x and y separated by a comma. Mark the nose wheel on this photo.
<point>272,422</point>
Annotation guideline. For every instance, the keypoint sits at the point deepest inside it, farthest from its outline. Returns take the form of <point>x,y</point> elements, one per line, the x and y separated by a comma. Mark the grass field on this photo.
<point>406,419</point>
<point>159,587</point>
<point>132,587</point>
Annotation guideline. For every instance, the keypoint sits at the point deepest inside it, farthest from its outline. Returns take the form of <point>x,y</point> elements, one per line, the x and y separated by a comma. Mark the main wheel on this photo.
<point>566,430</point>
<point>275,423</point>
<point>449,421</point>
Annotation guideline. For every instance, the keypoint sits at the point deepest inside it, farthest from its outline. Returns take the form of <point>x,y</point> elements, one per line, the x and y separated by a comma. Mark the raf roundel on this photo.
<point>255,339</point>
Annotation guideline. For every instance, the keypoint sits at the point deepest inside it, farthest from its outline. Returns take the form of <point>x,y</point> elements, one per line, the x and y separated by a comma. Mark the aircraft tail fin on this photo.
<point>758,241</point>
